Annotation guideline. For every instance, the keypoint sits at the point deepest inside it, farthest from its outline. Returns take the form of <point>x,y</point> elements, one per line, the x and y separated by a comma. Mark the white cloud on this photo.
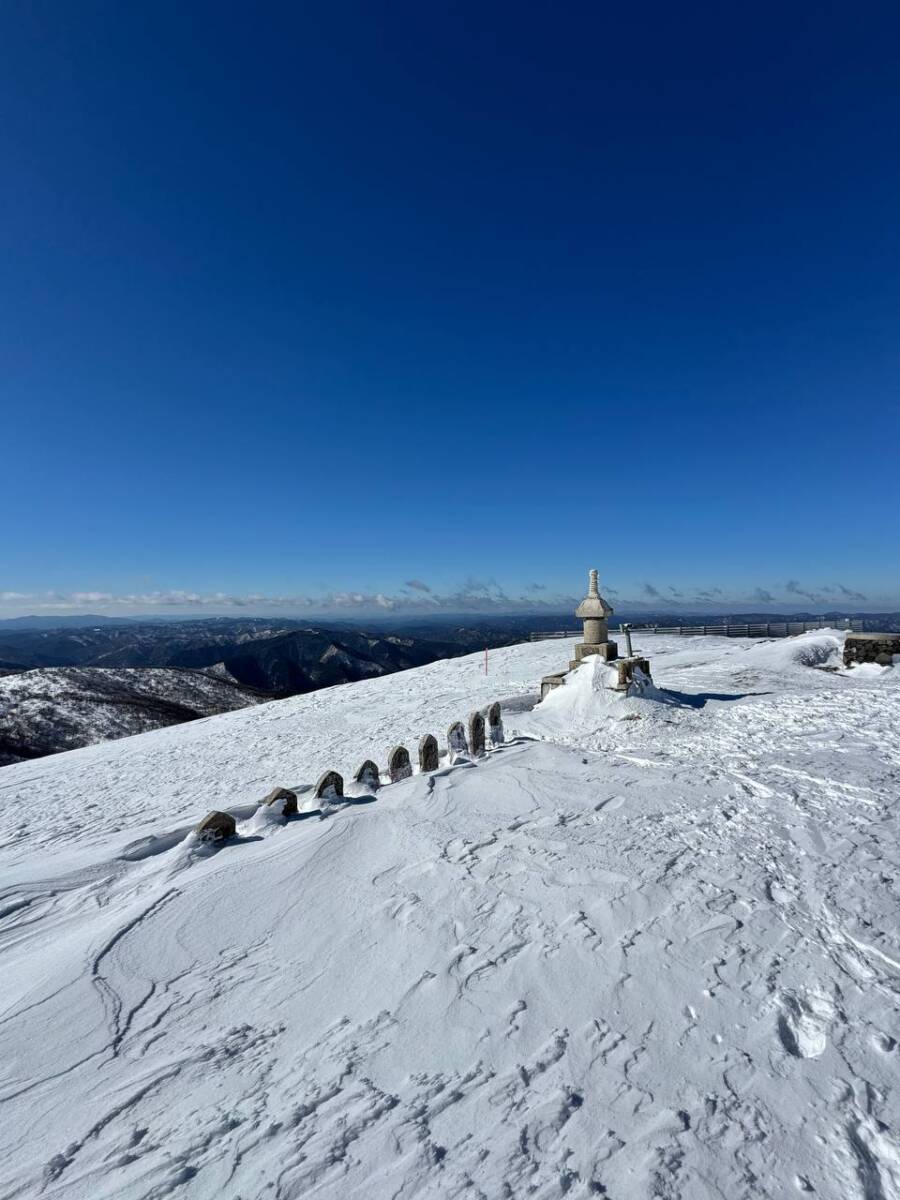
<point>473,596</point>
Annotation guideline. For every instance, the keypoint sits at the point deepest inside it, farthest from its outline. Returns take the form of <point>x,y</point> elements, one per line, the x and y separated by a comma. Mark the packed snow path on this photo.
<point>653,953</point>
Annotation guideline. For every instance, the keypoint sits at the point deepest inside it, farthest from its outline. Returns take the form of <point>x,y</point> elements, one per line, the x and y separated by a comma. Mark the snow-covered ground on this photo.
<point>649,947</point>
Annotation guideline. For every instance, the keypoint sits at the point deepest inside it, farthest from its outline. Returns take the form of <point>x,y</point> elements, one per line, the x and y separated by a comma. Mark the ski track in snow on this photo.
<point>646,957</point>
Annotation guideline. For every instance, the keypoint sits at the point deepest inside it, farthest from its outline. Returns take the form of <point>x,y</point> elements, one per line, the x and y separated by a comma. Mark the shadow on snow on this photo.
<point>700,699</point>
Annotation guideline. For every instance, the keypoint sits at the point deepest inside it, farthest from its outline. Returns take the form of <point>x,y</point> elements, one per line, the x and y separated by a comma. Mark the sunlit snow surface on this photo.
<point>650,947</point>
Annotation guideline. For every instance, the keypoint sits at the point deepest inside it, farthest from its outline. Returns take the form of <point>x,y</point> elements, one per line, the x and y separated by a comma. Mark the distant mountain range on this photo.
<point>282,657</point>
<point>430,625</point>
<point>73,622</point>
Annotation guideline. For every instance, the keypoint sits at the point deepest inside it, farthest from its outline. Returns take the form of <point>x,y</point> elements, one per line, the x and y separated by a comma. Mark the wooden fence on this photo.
<point>756,629</point>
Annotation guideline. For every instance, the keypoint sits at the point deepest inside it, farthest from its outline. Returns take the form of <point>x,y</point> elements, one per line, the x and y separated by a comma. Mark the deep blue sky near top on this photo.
<point>304,300</point>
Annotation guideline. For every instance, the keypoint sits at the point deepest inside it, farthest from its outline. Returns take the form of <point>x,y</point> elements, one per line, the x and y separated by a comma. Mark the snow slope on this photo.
<point>649,947</point>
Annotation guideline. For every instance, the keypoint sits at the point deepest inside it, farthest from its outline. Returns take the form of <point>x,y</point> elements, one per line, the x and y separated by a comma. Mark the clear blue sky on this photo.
<point>306,300</point>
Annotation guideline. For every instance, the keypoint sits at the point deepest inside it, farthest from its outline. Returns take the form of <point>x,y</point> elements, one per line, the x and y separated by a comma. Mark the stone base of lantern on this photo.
<point>625,675</point>
<point>549,682</point>
<point>606,650</point>
<point>626,667</point>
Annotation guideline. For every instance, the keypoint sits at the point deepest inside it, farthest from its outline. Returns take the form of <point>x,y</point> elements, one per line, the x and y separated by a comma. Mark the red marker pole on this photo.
<point>485,660</point>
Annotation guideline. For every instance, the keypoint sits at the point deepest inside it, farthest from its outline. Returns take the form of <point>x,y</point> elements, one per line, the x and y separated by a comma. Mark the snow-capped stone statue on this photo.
<point>330,787</point>
<point>215,827</point>
<point>595,613</point>
<point>495,725</point>
<point>428,753</point>
<point>399,765</point>
<point>456,739</point>
<point>476,733</point>
<point>368,776</point>
<point>289,808</point>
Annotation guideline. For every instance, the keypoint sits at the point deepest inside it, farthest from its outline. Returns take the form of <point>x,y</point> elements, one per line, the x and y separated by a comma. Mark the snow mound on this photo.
<point>589,701</point>
<point>589,693</point>
<point>266,818</point>
<point>818,649</point>
<point>871,670</point>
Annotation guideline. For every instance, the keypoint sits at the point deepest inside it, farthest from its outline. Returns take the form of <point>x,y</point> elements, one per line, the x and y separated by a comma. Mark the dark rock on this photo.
<point>215,827</point>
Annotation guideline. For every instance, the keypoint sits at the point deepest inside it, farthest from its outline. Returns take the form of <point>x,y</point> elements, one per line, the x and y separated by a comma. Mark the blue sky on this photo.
<point>304,306</point>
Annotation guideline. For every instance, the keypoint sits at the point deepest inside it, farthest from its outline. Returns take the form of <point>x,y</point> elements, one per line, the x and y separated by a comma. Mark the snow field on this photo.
<point>653,952</point>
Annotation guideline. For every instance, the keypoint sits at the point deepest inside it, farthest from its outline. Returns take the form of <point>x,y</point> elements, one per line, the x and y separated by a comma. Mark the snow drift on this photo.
<point>657,958</point>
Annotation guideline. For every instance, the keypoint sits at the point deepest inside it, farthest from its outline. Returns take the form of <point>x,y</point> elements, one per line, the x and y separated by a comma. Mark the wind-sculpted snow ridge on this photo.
<point>647,948</point>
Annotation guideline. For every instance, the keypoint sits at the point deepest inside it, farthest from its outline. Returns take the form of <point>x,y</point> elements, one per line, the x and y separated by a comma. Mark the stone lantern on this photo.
<point>595,612</point>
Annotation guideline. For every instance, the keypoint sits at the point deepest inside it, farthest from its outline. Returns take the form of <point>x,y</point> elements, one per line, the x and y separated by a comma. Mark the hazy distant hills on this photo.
<point>63,622</point>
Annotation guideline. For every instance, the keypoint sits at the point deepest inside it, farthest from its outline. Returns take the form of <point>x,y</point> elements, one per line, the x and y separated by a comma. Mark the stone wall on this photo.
<point>871,647</point>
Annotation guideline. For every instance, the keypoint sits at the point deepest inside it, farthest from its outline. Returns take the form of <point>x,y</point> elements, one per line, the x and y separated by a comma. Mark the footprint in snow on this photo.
<point>803,1023</point>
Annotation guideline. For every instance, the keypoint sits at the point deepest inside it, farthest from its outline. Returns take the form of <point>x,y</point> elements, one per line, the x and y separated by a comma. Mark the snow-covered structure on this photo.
<point>595,612</point>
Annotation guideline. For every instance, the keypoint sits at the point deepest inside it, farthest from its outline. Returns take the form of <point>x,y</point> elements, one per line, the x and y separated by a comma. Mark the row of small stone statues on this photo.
<point>461,739</point>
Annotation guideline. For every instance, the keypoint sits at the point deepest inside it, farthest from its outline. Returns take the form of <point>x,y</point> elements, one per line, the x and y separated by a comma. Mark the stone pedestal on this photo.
<point>606,650</point>
<point>549,682</point>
